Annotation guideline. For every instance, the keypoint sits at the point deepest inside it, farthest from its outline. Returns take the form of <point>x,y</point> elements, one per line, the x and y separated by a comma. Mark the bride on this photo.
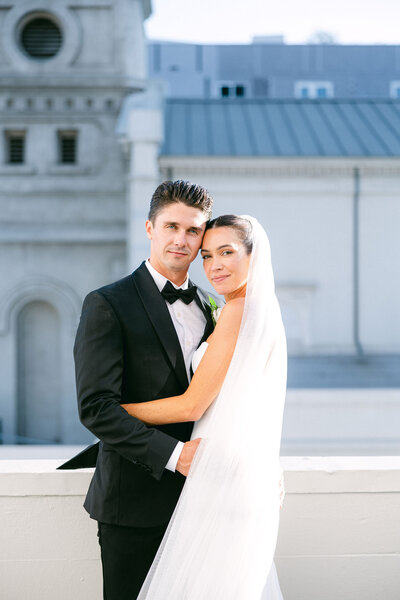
<point>221,539</point>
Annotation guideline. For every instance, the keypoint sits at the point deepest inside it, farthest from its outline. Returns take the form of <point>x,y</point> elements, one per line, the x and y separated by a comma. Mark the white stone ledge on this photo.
<point>338,535</point>
<point>17,169</point>
<point>303,475</point>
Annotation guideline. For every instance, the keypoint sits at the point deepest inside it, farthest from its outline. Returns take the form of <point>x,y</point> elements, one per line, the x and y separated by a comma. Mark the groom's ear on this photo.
<point>149,229</point>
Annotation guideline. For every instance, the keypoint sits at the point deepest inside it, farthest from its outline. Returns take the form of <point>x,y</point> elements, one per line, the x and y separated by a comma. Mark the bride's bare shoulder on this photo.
<point>233,310</point>
<point>235,304</point>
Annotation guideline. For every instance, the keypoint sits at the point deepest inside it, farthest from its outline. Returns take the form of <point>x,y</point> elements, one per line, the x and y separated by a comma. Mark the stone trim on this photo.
<point>47,289</point>
<point>278,167</point>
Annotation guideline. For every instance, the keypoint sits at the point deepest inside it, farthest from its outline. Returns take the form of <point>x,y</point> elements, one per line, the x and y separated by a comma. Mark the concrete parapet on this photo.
<point>338,536</point>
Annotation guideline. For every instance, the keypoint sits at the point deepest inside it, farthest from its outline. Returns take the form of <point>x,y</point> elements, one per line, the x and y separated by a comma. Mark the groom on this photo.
<point>134,343</point>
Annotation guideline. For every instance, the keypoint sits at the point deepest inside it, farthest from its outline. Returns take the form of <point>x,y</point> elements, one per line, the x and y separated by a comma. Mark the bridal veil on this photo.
<point>221,539</point>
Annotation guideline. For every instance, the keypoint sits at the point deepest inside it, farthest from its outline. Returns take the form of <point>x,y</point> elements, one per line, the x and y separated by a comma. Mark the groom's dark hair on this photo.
<point>191,194</point>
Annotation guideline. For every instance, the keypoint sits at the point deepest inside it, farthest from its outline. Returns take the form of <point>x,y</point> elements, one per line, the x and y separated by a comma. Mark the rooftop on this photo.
<point>287,128</point>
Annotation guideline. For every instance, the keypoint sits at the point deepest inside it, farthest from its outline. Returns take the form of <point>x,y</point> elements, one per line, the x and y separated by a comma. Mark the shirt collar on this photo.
<point>160,280</point>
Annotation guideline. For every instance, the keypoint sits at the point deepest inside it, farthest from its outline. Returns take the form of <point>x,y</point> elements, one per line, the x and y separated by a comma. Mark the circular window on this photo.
<point>41,38</point>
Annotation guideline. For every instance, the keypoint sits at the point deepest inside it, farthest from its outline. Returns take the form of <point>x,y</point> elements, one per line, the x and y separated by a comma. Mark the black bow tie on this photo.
<point>171,293</point>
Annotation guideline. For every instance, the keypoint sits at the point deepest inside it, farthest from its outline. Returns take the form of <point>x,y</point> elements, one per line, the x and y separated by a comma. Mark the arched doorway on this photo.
<point>38,359</point>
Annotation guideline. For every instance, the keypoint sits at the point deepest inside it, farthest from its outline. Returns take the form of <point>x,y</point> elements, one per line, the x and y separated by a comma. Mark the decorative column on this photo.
<point>144,135</point>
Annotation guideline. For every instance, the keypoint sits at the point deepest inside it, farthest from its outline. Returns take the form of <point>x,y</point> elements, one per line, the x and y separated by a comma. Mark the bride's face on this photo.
<point>225,260</point>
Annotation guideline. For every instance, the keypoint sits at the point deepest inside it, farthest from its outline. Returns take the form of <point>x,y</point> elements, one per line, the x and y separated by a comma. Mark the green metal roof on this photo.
<point>223,127</point>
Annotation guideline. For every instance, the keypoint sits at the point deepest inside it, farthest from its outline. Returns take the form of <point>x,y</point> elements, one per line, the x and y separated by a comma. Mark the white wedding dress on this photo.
<point>272,590</point>
<point>221,538</point>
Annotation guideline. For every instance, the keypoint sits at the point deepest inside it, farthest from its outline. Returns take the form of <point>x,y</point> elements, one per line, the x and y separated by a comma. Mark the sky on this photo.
<point>227,21</point>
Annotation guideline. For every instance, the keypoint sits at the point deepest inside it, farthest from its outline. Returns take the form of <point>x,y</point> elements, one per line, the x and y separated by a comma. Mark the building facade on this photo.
<point>276,70</point>
<point>66,68</point>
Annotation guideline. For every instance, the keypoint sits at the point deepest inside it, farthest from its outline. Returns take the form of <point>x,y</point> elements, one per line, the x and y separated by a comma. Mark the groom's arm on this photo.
<point>98,353</point>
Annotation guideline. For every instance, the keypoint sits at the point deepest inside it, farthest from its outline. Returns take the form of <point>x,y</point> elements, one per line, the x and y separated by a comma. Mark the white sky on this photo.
<point>224,21</point>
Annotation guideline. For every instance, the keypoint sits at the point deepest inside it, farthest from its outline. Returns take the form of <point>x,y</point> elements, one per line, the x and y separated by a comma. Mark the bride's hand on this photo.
<point>187,455</point>
<point>281,490</point>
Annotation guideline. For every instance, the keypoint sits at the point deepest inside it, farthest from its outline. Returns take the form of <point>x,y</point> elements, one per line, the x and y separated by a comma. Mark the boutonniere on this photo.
<point>215,310</point>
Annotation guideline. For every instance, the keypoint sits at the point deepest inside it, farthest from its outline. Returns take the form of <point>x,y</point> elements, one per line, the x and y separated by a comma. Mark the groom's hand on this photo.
<point>186,457</point>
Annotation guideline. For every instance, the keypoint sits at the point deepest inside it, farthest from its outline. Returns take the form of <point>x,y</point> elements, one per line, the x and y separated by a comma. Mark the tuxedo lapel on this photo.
<point>209,328</point>
<point>156,308</point>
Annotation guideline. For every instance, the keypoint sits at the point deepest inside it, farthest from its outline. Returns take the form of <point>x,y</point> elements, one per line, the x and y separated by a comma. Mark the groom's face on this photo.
<point>176,236</point>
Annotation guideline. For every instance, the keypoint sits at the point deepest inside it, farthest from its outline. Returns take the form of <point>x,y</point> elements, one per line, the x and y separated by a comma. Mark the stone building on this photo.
<point>65,69</point>
<point>269,68</point>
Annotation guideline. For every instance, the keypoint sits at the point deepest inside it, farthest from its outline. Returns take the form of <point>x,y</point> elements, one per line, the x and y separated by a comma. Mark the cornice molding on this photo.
<point>278,167</point>
<point>109,233</point>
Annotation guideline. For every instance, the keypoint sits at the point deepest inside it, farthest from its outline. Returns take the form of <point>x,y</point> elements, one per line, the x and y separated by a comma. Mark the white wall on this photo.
<point>337,539</point>
<point>338,536</point>
<point>380,249</point>
<point>306,207</point>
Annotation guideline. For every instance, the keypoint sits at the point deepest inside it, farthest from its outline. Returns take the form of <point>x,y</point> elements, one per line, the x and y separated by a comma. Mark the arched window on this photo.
<point>39,374</point>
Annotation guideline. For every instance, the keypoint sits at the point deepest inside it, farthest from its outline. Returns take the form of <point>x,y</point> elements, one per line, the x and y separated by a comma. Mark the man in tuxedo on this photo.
<point>134,343</point>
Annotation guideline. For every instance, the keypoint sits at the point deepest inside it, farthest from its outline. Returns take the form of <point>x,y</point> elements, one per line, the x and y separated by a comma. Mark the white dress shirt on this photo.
<point>189,322</point>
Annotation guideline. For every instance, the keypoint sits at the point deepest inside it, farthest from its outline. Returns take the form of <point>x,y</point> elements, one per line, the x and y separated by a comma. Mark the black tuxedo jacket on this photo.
<point>127,350</point>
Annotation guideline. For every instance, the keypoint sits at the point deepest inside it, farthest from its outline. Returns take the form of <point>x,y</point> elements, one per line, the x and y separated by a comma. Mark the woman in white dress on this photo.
<point>221,539</point>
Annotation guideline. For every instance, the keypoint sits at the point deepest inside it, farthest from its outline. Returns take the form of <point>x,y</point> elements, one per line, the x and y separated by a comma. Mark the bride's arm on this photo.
<point>207,380</point>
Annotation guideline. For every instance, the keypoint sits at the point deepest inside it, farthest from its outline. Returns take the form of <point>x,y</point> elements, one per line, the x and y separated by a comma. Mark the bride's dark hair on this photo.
<point>242,227</point>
